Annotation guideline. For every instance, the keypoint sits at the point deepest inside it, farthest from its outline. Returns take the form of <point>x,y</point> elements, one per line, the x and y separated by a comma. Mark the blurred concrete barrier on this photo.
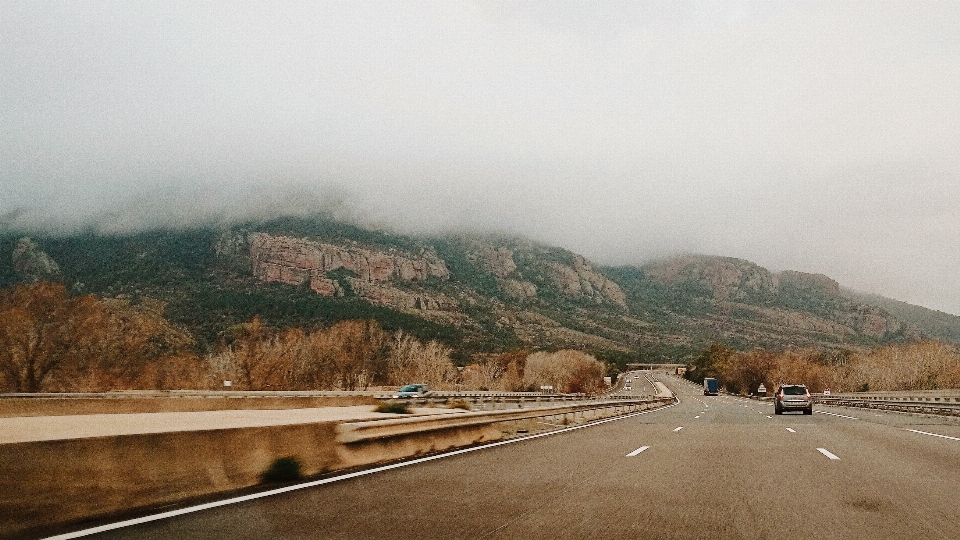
<point>381,440</point>
<point>45,483</point>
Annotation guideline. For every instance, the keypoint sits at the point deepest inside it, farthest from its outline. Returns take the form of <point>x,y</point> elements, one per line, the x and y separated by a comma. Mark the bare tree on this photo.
<point>565,371</point>
<point>357,351</point>
<point>412,361</point>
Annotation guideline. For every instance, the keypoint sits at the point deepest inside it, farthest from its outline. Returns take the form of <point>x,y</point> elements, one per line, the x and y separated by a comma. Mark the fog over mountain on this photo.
<point>819,137</point>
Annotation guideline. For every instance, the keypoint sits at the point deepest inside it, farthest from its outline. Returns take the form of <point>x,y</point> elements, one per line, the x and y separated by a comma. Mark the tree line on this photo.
<point>925,365</point>
<point>51,341</point>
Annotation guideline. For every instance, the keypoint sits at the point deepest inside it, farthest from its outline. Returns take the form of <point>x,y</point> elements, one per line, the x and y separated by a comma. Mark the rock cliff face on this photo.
<point>581,280</point>
<point>299,261</point>
<point>808,282</point>
<point>730,280</point>
<point>33,264</point>
<point>495,260</point>
<point>726,279</point>
<point>576,280</point>
<point>518,289</point>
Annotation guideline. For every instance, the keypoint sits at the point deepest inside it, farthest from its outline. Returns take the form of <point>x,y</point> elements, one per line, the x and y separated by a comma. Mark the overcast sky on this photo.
<point>814,136</point>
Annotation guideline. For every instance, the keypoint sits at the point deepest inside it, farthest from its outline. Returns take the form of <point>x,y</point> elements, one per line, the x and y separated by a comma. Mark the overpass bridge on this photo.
<point>652,366</point>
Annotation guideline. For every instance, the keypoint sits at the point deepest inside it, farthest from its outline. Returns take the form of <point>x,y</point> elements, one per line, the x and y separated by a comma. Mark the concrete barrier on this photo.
<point>381,440</point>
<point>12,405</point>
<point>53,483</point>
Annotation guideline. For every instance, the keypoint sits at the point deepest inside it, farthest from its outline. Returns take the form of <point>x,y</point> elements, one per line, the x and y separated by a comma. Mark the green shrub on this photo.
<point>285,469</point>
<point>395,407</point>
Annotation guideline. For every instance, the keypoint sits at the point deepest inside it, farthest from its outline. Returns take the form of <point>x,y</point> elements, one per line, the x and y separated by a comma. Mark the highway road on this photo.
<point>715,466</point>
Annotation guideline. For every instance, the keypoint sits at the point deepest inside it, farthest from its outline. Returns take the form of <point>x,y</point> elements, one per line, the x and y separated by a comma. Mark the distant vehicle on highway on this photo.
<point>792,397</point>
<point>412,391</point>
<point>711,386</point>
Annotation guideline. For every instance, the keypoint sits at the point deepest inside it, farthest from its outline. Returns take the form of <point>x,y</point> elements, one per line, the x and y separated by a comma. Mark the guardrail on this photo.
<point>942,405</point>
<point>559,415</point>
<point>380,394</point>
<point>504,400</point>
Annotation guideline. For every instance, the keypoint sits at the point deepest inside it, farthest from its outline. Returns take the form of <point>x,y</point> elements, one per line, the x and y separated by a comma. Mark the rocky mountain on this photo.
<point>476,293</point>
<point>936,324</point>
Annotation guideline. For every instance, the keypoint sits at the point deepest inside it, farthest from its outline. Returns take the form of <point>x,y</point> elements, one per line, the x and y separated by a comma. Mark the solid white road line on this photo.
<point>262,494</point>
<point>679,428</point>
<point>827,453</point>
<point>791,430</point>
<point>835,414</point>
<point>637,451</point>
<point>935,435</point>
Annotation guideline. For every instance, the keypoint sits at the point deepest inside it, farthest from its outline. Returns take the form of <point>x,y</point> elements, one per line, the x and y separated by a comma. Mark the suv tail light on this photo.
<point>808,394</point>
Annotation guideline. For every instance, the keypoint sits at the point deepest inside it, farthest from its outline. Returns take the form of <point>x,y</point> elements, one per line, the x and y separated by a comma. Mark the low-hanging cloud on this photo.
<point>815,137</point>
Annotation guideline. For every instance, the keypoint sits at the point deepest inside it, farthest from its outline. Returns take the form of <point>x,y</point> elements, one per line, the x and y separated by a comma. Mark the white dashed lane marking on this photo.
<point>835,414</point>
<point>827,453</point>
<point>679,428</point>
<point>637,451</point>
<point>935,435</point>
<point>791,430</point>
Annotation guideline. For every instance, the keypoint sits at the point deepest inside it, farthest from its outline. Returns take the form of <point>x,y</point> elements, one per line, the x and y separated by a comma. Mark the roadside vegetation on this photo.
<point>55,341</point>
<point>926,365</point>
<point>51,341</point>
<point>393,407</point>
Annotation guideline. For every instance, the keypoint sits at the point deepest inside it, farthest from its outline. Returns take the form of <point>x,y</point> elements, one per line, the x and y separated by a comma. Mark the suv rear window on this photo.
<point>794,390</point>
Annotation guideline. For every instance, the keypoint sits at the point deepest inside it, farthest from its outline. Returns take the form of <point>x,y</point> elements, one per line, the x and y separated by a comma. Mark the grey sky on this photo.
<point>814,136</point>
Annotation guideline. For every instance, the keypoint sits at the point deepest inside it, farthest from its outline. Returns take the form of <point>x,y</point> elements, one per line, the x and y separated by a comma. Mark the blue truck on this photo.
<point>711,386</point>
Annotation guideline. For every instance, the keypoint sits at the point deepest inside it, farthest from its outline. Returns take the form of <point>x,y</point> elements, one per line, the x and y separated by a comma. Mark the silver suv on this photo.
<point>791,397</point>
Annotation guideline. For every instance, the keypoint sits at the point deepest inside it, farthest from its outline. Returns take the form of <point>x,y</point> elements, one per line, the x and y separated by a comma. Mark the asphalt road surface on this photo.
<point>714,466</point>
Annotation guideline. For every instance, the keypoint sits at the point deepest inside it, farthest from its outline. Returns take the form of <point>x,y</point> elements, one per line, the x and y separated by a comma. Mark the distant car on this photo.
<point>628,388</point>
<point>792,397</point>
<point>412,391</point>
<point>826,392</point>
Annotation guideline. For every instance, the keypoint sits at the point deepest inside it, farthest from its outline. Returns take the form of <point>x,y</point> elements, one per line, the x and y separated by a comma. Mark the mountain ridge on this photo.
<point>479,293</point>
